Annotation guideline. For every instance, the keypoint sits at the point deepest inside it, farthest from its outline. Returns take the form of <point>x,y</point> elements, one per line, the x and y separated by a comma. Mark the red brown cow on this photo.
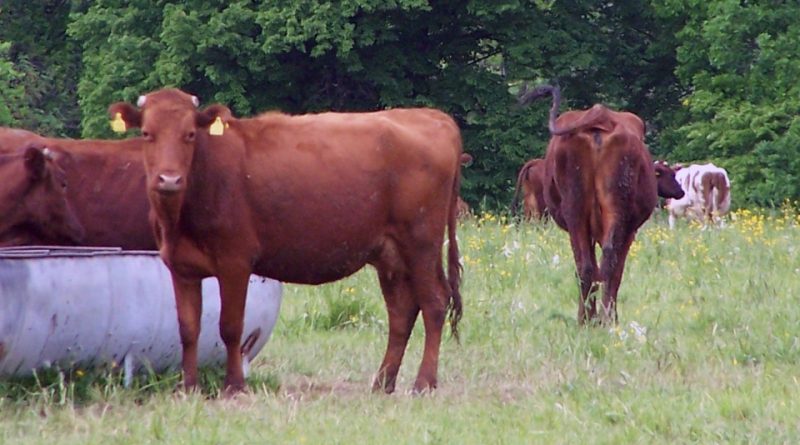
<point>303,199</point>
<point>33,196</point>
<point>600,186</point>
<point>531,181</point>
<point>106,190</point>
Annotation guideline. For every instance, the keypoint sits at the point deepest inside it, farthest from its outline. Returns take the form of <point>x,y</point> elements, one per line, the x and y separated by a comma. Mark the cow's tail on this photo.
<point>595,117</point>
<point>529,96</point>
<point>454,268</point>
<point>520,178</point>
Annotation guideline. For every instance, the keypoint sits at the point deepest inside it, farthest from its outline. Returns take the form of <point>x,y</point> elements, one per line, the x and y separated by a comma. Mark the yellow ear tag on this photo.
<point>217,128</point>
<point>118,125</point>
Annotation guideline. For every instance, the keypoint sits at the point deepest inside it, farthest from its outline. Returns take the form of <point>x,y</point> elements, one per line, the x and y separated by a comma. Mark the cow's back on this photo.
<point>12,139</point>
<point>311,189</point>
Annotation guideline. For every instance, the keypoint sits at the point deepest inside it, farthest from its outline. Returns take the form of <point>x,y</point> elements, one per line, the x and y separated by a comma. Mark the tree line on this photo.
<point>715,80</point>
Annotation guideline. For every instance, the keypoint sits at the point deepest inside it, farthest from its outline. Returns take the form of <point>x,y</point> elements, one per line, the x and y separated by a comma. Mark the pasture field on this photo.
<point>707,351</point>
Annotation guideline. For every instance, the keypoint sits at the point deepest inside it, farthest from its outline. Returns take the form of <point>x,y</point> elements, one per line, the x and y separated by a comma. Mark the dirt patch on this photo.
<point>308,389</point>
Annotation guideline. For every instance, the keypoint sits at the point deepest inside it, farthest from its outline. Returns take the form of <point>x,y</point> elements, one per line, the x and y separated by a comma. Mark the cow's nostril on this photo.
<point>174,179</point>
<point>169,183</point>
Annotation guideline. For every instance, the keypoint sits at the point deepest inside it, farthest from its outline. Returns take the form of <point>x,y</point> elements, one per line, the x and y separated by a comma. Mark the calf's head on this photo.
<point>33,198</point>
<point>668,187</point>
<point>171,127</point>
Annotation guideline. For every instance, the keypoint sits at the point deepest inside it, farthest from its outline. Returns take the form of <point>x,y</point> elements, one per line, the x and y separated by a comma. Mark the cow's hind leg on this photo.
<point>189,304</point>
<point>586,265</point>
<point>431,292</point>
<point>615,251</point>
<point>402,310</point>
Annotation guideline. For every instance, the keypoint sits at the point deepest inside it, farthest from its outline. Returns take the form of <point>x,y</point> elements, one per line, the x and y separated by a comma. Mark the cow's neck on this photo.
<point>167,211</point>
<point>207,191</point>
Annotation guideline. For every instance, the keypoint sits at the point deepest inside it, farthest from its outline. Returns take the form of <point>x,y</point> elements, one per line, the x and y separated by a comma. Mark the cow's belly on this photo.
<point>315,259</point>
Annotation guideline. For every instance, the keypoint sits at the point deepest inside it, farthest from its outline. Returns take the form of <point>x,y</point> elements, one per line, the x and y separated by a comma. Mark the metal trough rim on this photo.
<point>67,251</point>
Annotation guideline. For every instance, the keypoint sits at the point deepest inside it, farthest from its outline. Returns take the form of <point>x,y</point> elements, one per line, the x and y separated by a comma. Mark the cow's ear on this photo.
<point>35,162</point>
<point>124,116</point>
<point>215,118</point>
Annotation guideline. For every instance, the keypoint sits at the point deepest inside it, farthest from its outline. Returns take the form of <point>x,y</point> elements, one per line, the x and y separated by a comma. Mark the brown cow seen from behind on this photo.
<point>304,199</point>
<point>33,197</point>
<point>600,186</point>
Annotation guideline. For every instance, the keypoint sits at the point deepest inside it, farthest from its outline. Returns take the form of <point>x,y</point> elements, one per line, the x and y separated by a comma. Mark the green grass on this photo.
<point>707,351</point>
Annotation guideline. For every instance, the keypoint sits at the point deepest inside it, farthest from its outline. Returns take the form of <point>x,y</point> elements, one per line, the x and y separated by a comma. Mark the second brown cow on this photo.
<point>106,189</point>
<point>33,197</point>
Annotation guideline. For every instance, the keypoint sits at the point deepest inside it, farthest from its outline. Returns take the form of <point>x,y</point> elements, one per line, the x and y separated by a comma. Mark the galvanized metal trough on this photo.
<point>86,307</point>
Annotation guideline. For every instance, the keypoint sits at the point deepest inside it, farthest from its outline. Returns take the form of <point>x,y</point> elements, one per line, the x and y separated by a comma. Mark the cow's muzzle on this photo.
<point>169,183</point>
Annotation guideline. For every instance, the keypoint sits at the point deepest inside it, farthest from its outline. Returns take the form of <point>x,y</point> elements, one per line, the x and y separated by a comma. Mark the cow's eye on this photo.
<point>147,135</point>
<point>190,135</point>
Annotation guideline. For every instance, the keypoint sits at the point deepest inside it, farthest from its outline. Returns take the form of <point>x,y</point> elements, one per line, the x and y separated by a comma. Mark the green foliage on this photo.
<point>712,80</point>
<point>11,92</point>
<point>741,61</point>
<point>47,66</point>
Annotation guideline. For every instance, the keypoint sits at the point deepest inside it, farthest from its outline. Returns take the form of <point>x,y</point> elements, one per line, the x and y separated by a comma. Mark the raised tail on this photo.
<point>597,116</point>
<point>541,91</point>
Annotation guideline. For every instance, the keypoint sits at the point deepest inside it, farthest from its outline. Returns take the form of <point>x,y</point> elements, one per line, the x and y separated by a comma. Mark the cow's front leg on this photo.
<point>189,304</point>
<point>233,292</point>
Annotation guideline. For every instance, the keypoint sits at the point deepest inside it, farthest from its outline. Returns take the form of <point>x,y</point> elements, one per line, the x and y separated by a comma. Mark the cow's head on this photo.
<point>171,126</point>
<point>668,187</point>
<point>33,197</point>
